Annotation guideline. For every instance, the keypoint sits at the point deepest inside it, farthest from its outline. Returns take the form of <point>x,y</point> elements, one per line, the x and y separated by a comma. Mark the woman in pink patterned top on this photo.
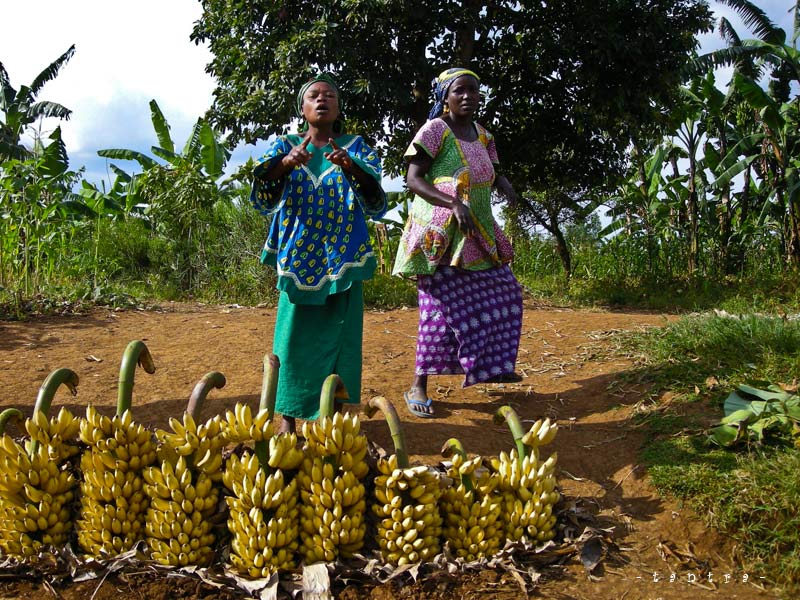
<point>470,304</point>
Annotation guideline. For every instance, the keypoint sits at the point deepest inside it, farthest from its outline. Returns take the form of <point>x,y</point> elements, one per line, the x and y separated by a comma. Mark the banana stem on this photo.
<point>512,420</point>
<point>395,428</point>
<point>269,385</point>
<point>332,389</point>
<point>9,414</point>
<point>135,353</point>
<point>211,380</point>
<point>269,392</point>
<point>454,446</point>
<point>47,392</point>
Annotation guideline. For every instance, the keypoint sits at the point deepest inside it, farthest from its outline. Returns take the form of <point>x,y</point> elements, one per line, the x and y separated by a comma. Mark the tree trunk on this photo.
<point>691,230</point>
<point>561,243</point>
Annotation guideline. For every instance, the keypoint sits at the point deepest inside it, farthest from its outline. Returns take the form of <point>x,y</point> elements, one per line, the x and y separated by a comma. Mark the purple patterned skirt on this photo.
<point>469,322</point>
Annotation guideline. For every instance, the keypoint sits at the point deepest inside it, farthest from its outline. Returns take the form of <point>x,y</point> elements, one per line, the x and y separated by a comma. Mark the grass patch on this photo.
<point>751,494</point>
<point>386,292</point>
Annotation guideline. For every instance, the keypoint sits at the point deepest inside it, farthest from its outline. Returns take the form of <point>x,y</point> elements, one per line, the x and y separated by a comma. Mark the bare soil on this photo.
<point>656,547</point>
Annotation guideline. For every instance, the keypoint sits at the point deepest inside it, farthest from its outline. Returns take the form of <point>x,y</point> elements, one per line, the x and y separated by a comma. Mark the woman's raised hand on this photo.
<point>298,155</point>
<point>338,156</point>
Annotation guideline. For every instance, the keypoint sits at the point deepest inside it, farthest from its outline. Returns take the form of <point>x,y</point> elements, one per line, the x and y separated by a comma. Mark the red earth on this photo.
<point>648,547</point>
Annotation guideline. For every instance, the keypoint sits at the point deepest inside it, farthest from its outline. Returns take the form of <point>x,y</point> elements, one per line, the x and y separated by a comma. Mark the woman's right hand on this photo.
<point>463,216</point>
<point>297,156</point>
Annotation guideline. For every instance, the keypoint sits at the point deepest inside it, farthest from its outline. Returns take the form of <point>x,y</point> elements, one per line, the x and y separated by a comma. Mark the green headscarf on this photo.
<point>338,125</point>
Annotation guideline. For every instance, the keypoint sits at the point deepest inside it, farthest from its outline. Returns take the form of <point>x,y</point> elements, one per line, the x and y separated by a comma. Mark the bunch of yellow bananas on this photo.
<point>527,487</point>
<point>182,493</point>
<point>55,433</point>
<point>331,491</point>
<point>113,502</point>
<point>471,510</point>
<point>407,507</point>
<point>201,444</point>
<point>176,525</point>
<point>36,489</point>
<point>240,426</point>
<point>264,516</point>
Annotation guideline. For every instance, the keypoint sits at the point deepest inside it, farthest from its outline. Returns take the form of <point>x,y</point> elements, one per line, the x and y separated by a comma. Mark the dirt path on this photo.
<point>566,378</point>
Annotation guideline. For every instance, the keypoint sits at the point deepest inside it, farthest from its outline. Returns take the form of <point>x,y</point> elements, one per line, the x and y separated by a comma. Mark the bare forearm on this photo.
<point>422,188</point>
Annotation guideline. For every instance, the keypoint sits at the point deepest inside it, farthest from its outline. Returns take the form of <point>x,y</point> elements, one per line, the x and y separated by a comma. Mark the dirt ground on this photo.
<point>660,549</point>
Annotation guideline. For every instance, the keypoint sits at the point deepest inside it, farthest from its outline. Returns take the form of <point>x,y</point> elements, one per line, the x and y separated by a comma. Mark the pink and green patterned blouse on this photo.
<point>431,236</point>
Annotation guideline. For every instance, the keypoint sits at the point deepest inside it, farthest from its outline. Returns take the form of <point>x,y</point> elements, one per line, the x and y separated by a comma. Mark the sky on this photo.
<point>128,53</point>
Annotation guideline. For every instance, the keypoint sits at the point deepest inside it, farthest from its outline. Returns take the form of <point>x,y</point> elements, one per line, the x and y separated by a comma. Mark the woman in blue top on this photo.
<point>319,185</point>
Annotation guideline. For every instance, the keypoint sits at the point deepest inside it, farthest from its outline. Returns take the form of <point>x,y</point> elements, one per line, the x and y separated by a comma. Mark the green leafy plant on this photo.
<point>753,414</point>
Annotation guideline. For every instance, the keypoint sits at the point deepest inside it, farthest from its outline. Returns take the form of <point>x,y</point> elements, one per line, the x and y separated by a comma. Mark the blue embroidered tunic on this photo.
<point>318,240</point>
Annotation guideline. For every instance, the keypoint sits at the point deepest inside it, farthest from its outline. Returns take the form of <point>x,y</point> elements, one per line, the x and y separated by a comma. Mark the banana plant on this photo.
<point>20,108</point>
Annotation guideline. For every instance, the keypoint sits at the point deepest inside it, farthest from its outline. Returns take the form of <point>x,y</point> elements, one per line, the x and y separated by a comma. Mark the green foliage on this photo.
<point>20,108</point>
<point>591,80</point>
<point>751,495</point>
<point>752,415</point>
<point>385,291</point>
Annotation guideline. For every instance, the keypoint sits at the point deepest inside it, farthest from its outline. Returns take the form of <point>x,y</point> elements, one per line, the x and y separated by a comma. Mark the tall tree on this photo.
<point>565,81</point>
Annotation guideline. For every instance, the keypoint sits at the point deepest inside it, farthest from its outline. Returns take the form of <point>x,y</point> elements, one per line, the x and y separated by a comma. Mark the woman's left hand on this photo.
<point>339,157</point>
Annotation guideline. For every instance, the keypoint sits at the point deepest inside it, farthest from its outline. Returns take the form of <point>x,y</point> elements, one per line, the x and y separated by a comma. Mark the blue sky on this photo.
<point>128,53</point>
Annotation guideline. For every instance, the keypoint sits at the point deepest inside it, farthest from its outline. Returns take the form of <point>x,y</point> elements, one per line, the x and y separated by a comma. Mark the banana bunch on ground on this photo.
<point>182,492</point>
<point>331,492</point>
<point>241,426</point>
<point>113,502</point>
<point>471,507</point>
<point>527,484</point>
<point>36,486</point>
<point>264,517</point>
<point>407,506</point>
<point>406,499</point>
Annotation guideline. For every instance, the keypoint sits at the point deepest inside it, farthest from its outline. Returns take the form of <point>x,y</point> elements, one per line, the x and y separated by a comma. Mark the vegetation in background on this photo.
<point>749,491</point>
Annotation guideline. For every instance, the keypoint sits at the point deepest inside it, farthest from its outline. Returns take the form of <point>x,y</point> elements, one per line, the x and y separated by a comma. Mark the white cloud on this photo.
<point>126,54</point>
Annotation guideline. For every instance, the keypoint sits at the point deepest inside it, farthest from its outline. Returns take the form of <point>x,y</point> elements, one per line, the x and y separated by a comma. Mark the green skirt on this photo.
<point>314,341</point>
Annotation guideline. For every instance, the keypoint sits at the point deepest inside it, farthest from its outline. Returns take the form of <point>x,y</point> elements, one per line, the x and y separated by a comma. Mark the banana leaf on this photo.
<point>725,435</point>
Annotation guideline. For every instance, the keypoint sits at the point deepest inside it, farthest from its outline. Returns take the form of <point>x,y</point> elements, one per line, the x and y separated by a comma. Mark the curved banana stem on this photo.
<point>512,420</point>
<point>269,385</point>
<point>211,380</point>
<point>395,428</point>
<point>454,446</point>
<point>332,389</point>
<point>269,392</point>
<point>135,353</point>
<point>9,414</point>
<point>47,392</point>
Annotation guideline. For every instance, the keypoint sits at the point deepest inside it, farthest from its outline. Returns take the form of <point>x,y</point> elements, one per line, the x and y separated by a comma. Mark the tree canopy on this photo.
<point>566,82</point>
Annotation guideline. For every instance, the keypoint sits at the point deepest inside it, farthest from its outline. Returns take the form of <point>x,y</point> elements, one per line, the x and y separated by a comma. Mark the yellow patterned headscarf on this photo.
<point>442,83</point>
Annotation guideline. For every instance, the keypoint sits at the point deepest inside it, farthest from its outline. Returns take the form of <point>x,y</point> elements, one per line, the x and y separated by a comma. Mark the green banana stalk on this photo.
<point>47,392</point>
<point>211,380</point>
<point>332,390</point>
<point>507,414</point>
<point>395,428</point>
<point>9,414</point>
<point>454,446</point>
<point>135,353</point>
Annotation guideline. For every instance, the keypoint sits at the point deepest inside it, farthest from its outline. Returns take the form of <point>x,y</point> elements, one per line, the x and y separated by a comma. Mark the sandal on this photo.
<point>414,404</point>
